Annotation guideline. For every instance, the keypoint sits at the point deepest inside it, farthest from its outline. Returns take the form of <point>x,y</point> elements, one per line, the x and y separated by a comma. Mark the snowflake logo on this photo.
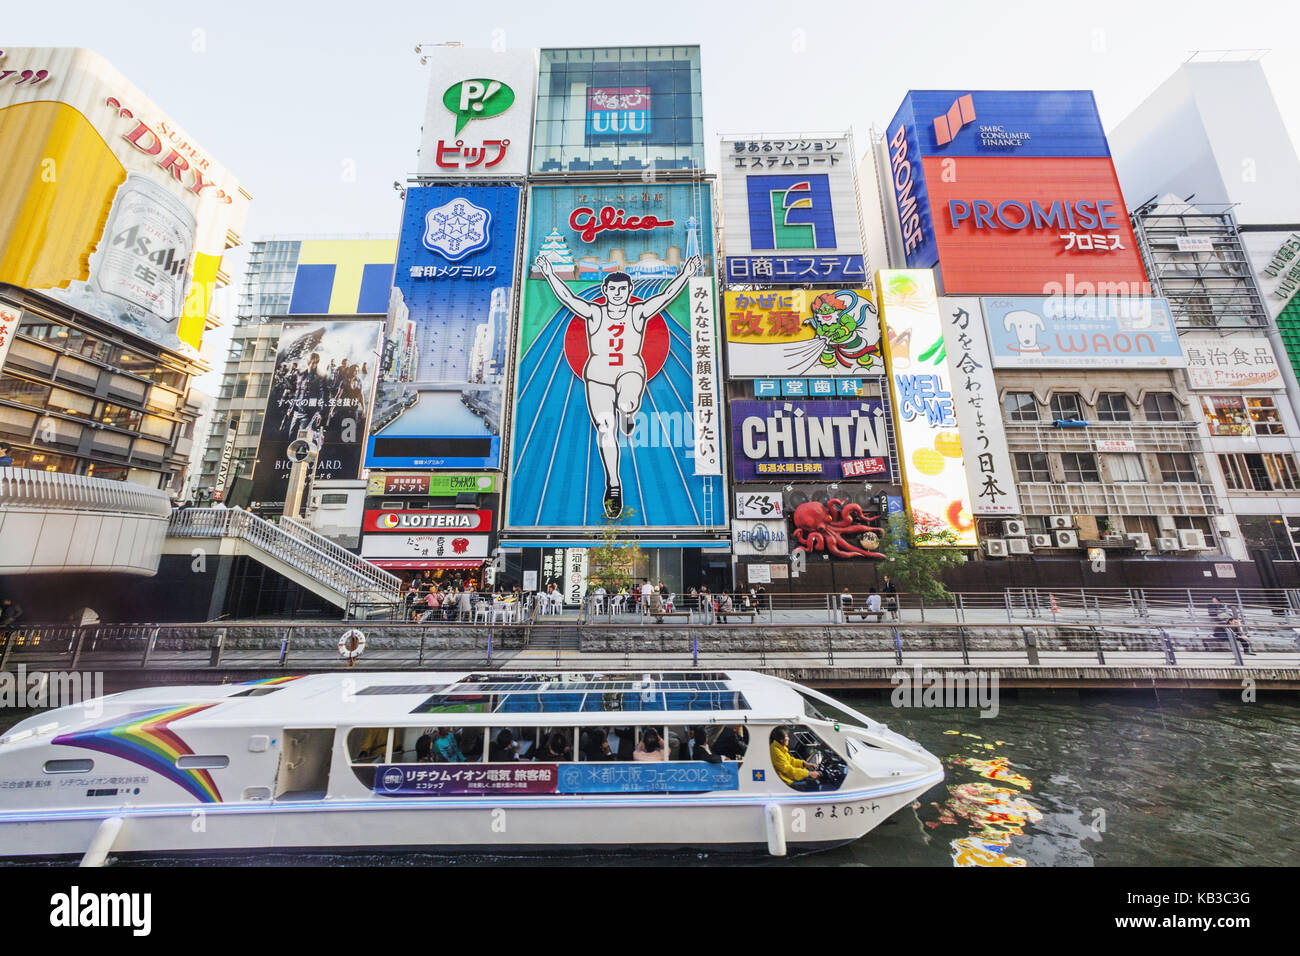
<point>456,229</point>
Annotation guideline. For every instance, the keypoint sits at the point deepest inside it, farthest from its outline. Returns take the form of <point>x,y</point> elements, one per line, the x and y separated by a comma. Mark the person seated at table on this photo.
<point>790,769</point>
<point>650,747</point>
<point>873,607</point>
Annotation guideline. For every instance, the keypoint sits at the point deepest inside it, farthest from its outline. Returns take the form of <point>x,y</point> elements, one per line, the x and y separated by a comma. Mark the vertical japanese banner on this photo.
<point>10,316</point>
<point>704,377</point>
<point>979,414</point>
<point>575,575</point>
<point>929,445</point>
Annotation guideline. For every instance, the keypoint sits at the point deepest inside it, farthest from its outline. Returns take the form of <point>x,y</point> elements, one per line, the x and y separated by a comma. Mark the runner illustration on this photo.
<point>615,373</point>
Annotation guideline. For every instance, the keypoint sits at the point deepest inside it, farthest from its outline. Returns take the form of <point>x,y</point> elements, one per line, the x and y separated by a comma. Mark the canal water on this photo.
<point>1056,780</point>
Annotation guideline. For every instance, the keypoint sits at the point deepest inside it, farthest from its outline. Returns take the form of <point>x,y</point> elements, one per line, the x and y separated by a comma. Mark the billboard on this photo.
<point>1082,332</point>
<point>343,277</point>
<point>323,379</point>
<point>108,205</point>
<point>443,380</point>
<point>405,522</point>
<point>449,546</point>
<point>759,537</point>
<point>803,332</point>
<point>1238,361</point>
<point>758,504</point>
<point>10,316</point>
<point>979,413</point>
<point>433,484</point>
<point>815,440</point>
<point>478,116</point>
<point>604,405</point>
<point>791,208</point>
<point>618,109</point>
<point>1008,192</point>
<point>921,392</point>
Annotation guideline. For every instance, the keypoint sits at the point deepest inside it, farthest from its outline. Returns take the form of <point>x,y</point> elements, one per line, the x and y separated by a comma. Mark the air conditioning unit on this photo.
<point>1141,542</point>
<point>1067,539</point>
<point>1060,522</point>
<point>995,547</point>
<point>1013,529</point>
<point>1192,540</point>
<point>1041,541</point>
<point>1167,544</point>
<point>1018,545</point>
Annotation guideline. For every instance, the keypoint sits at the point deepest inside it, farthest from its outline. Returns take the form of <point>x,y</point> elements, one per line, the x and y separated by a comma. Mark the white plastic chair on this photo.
<point>481,610</point>
<point>502,611</point>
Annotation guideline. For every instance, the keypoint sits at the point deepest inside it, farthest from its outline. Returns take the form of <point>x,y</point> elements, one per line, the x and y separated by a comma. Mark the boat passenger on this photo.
<point>597,746</point>
<point>732,742</point>
<point>701,751</point>
<point>556,749</point>
<point>790,769</point>
<point>446,747</point>
<point>504,748</point>
<point>424,748</point>
<point>650,747</point>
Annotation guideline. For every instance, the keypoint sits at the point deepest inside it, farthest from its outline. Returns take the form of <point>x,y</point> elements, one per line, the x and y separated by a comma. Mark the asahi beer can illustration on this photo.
<point>142,263</point>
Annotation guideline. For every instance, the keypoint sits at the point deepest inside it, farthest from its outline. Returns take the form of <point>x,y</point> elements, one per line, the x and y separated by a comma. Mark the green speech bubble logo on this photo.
<point>477,99</point>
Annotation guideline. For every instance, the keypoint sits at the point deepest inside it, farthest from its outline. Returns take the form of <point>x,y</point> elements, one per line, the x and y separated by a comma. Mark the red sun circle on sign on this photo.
<point>654,344</point>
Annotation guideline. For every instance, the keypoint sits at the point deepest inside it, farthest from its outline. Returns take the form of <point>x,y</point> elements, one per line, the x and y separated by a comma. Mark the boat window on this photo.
<point>441,744</point>
<point>797,754</point>
<point>69,766</point>
<point>368,744</point>
<point>202,762</point>
<point>820,710</point>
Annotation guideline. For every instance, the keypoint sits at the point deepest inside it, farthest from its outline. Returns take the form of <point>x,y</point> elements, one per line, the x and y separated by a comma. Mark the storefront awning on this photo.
<point>393,563</point>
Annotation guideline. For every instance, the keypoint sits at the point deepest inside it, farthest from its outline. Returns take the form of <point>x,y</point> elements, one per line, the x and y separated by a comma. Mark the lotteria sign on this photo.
<point>1009,192</point>
<point>399,521</point>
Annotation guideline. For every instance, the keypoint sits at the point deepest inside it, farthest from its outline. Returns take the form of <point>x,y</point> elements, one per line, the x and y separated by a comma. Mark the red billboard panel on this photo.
<point>409,521</point>
<point>1032,226</point>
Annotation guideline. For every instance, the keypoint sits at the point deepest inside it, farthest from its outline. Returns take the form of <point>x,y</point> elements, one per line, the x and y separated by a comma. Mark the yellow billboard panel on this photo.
<point>789,332</point>
<point>106,203</point>
<point>920,388</point>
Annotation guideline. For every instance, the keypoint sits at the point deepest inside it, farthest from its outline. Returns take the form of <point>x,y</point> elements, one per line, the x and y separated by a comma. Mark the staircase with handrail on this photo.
<point>294,550</point>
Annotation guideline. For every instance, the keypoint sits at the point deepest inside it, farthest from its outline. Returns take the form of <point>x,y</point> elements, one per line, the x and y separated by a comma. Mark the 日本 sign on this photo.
<point>402,521</point>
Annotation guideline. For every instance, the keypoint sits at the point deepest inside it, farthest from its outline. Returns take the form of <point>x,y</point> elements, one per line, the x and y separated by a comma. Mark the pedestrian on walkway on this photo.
<point>890,590</point>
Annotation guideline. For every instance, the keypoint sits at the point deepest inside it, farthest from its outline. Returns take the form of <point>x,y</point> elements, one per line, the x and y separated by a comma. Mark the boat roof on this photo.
<point>353,699</point>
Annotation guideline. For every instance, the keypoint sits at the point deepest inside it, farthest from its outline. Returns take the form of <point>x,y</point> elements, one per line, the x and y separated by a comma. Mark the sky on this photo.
<point>316,106</point>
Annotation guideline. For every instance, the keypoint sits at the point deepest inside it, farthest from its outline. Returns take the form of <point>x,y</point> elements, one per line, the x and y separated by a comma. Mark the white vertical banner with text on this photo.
<point>979,413</point>
<point>10,316</point>
<point>575,575</point>
<point>704,378</point>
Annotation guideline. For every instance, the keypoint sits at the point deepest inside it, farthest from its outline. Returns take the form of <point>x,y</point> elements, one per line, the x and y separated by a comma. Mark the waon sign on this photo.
<point>1010,192</point>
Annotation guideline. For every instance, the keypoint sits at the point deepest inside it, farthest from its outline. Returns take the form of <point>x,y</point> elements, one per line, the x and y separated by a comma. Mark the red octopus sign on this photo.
<point>822,527</point>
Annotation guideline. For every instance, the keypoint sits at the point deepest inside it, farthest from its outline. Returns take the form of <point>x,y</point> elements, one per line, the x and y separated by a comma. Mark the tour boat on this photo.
<point>491,762</point>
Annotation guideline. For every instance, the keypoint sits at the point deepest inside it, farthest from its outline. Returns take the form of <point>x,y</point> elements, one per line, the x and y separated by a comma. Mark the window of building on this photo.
<point>1272,534</point>
<point>1160,407</point>
<point>1079,466</point>
<point>1020,407</point>
<point>24,392</point>
<point>1032,466</point>
<point>1242,415</point>
<point>120,417</point>
<point>71,403</point>
<point>1176,467</point>
<point>1113,407</point>
<point>1264,415</point>
<point>1066,407</point>
<point>1260,472</point>
<point>1125,467</point>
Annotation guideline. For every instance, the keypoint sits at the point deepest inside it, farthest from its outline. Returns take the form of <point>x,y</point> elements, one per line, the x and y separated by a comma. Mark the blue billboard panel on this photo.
<point>443,370</point>
<point>1082,332</point>
<point>826,440</point>
<point>911,198</point>
<point>1029,123</point>
<point>604,408</point>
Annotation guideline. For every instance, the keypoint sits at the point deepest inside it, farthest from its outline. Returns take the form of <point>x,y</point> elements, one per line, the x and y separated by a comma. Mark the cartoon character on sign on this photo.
<point>843,322</point>
<point>615,371</point>
<point>1026,325</point>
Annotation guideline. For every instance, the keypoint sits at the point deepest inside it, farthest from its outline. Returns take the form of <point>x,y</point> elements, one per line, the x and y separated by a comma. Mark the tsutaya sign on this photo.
<point>979,413</point>
<point>479,112</point>
<point>920,385</point>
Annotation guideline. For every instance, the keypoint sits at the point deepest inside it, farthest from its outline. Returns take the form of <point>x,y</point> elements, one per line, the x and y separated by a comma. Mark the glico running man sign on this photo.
<point>608,380</point>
